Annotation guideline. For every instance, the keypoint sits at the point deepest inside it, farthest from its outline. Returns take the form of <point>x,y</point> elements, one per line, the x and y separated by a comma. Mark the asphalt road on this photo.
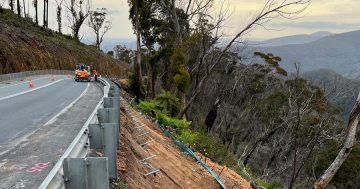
<point>37,125</point>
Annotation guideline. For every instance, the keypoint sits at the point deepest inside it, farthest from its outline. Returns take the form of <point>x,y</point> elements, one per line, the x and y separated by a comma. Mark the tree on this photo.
<point>24,6</point>
<point>135,7</point>
<point>46,14</point>
<point>271,10</point>
<point>111,53</point>
<point>99,25</point>
<point>18,8</point>
<point>344,152</point>
<point>58,13</point>
<point>35,3</point>
<point>79,11</point>
<point>12,4</point>
<point>124,54</point>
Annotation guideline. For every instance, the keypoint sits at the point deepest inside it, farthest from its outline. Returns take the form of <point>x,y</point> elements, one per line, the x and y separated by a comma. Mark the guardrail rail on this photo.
<point>75,169</point>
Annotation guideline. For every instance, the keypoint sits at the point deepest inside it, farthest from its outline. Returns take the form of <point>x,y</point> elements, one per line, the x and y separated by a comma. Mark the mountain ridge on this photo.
<point>338,52</point>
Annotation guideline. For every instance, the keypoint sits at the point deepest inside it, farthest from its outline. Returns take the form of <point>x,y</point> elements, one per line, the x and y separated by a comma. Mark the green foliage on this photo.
<point>165,103</point>
<point>122,185</point>
<point>272,61</point>
<point>210,147</point>
<point>182,79</point>
<point>348,175</point>
<point>172,122</point>
<point>177,60</point>
<point>267,185</point>
<point>149,107</point>
<point>136,86</point>
<point>169,103</point>
<point>272,106</point>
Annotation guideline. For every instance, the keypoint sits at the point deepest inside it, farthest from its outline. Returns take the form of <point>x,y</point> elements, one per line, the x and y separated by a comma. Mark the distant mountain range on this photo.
<point>295,39</point>
<point>338,52</point>
<point>321,50</point>
<point>109,43</point>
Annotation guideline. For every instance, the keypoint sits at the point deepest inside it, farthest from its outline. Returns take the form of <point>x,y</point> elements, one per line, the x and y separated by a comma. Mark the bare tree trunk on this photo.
<point>44,17</point>
<point>261,140</point>
<point>47,13</point>
<point>36,11</point>
<point>24,8</point>
<point>11,4</point>
<point>325,179</point>
<point>18,8</point>
<point>138,53</point>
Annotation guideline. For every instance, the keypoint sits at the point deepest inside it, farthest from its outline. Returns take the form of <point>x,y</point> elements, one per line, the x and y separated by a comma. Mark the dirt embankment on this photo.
<point>175,168</point>
<point>25,46</point>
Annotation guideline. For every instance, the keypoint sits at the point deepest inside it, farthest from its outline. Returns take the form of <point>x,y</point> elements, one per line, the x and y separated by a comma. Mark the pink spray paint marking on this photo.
<point>38,167</point>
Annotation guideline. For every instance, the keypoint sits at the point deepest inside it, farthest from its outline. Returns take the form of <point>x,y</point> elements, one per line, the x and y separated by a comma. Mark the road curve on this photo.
<point>31,139</point>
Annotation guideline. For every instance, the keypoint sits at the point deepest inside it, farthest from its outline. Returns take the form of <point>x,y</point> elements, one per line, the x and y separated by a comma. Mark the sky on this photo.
<point>335,16</point>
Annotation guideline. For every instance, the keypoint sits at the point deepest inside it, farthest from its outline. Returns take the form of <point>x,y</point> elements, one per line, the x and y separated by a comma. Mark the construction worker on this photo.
<point>95,74</point>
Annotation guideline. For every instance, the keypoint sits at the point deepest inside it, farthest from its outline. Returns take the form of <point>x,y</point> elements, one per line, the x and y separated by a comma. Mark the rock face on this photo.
<point>25,46</point>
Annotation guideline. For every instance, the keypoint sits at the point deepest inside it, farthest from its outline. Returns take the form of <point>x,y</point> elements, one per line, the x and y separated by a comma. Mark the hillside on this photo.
<point>337,52</point>
<point>25,46</point>
<point>295,39</point>
<point>340,90</point>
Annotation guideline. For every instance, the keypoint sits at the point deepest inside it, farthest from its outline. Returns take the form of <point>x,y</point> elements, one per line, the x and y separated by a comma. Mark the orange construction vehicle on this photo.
<point>82,73</point>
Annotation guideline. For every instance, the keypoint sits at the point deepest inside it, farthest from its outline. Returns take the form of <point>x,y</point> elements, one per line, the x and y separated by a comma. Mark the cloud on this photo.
<point>316,25</point>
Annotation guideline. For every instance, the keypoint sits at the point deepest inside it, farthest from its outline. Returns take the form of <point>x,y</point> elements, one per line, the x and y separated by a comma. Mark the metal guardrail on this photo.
<point>20,75</point>
<point>80,147</point>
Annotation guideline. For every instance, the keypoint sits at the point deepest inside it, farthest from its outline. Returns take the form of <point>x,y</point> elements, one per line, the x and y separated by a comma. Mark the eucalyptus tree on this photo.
<point>58,14</point>
<point>35,4</point>
<point>99,24</point>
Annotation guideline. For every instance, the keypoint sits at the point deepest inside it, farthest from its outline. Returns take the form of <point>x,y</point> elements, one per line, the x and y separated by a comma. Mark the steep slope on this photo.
<point>295,39</point>
<point>337,52</point>
<point>26,46</point>
<point>176,169</point>
<point>340,90</point>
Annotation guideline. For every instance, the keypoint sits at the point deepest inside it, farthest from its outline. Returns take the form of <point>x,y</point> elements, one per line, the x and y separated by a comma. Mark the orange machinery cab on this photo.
<point>82,73</point>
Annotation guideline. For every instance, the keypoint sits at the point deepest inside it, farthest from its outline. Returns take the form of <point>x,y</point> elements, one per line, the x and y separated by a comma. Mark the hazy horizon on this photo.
<point>335,16</point>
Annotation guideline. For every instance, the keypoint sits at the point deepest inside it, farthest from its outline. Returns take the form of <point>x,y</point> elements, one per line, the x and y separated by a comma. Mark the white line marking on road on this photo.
<point>24,92</point>
<point>24,82</point>
<point>53,119</point>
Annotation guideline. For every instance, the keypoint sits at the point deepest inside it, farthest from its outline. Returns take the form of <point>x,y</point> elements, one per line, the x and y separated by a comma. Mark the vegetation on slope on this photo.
<point>275,127</point>
<point>25,46</point>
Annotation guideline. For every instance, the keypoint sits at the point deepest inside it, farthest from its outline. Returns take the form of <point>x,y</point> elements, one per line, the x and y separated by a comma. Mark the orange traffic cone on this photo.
<point>30,84</point>
<point>52,78</point>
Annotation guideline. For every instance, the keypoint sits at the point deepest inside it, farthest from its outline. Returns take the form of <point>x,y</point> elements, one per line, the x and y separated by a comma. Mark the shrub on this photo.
<point>172,122</point>
<point>168,103</point>
<point>149,107</point>
<point>136,86</point>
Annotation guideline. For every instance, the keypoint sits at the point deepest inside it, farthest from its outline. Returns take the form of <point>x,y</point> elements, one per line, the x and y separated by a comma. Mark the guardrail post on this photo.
<point>95,136</point>
<point>110,115</point>
<point>110,146</point>
<point>109,121</point>
<point>112,102</point>
<point>103,136</point>
<point>86,173</point>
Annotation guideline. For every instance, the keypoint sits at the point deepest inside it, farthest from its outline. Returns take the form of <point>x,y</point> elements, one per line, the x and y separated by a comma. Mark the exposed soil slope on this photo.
<point>176,169</point>
<point>25,46</point>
